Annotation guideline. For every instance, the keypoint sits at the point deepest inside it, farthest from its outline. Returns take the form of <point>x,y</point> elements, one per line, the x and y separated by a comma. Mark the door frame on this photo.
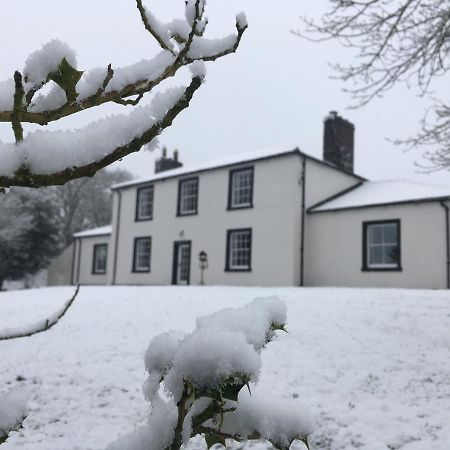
<point>176,246</point>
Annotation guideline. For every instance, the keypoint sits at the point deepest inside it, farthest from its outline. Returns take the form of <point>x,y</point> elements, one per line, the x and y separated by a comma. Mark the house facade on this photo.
<point>271,217</point>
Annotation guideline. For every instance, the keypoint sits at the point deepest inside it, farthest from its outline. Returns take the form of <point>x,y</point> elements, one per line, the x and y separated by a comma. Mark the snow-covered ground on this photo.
<point>372,365</point>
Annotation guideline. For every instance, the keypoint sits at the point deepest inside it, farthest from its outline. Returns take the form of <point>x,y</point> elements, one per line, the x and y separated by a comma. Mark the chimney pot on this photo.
<point>165,163</point>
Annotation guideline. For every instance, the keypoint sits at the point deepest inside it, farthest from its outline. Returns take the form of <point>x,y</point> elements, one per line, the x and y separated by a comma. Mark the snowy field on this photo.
<point>372,365</point>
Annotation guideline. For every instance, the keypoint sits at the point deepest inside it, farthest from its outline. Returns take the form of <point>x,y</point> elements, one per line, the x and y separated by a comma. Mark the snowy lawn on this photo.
<point>372,365</point>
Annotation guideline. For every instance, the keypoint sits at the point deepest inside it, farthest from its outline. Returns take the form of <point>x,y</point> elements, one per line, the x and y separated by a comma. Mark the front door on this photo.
<point>181,262</point>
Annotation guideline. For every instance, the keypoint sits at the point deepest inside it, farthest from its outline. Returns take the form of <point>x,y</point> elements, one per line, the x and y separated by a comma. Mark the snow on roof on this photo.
<point>373,193</point>
<point>262,153</point>
<point>100,231</point>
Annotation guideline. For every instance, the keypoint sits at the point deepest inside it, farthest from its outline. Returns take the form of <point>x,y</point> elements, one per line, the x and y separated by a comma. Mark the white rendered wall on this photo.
<point>84,255</point>
<point>274,219</point>
<point>334,251</point>
<point>323,181</point>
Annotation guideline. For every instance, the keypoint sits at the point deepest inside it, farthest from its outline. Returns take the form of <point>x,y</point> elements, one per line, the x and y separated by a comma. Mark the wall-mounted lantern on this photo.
<point>203,264</point>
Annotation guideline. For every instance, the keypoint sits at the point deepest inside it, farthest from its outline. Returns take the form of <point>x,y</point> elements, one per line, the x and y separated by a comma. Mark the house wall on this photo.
<point>83,261</point>
<point>334,250</point>
<point>274,219</point>
<point>323,181</point>
<point>60,270</point>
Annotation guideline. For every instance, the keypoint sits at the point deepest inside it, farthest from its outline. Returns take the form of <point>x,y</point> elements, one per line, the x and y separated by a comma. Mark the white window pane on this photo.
<point>375,234</point>
<point>391,254</point>
<point>142,254</point>
<point>145,203</point>
<point>100,254</point>
<point>241,188</point>
<point>390,233</point>
<point>383,245</point>
<point>188,196</point>
<point>239,250</point>
<point>376,255</point>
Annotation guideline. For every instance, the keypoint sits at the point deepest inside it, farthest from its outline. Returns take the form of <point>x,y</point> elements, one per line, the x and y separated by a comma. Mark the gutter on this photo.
<point>447,240</point>
<point>302,220</point>
<point>72,272</point>
<point>116,243</point>
<point>79,259</point>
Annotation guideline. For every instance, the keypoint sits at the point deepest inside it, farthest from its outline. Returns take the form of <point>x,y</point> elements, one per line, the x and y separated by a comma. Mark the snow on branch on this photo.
<point>30,161</point>
<point>38,327</point>
<point>197,384</point>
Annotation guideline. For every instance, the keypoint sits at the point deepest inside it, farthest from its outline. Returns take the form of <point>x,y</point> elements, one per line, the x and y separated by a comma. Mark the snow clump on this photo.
<point>13,409</point>
<point>194,380</point>
<point>46,60</point>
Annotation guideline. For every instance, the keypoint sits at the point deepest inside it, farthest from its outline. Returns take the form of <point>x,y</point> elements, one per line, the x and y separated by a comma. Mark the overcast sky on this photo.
<point>275,91</point>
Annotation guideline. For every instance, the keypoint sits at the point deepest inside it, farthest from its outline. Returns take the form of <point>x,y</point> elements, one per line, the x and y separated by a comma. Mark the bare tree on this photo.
<point>51,158</point>
<point>85,202</point>
<point>400,41</point>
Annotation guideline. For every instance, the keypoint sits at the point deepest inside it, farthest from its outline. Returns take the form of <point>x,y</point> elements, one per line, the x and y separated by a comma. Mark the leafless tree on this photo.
<point>397,41</point>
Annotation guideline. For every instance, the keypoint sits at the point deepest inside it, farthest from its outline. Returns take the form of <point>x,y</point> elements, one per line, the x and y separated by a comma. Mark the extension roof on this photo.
<point>100,231</point>
<point>380,193</point>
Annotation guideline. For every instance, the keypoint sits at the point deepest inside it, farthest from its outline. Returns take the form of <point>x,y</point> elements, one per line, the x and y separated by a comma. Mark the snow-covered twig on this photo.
<point>182,44</point>
<point>38,327</point>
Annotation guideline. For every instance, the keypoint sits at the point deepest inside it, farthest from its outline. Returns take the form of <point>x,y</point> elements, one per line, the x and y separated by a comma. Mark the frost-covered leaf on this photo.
<point>66,77</point>
<point>213,439</point>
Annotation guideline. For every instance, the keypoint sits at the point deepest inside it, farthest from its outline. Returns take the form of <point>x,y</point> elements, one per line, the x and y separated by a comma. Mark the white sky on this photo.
<point>274,91</point>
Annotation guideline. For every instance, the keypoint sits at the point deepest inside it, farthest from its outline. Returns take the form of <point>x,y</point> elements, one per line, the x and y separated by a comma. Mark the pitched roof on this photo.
<point>379,193</point>
<point>100,231</point>
<point>229,160</point>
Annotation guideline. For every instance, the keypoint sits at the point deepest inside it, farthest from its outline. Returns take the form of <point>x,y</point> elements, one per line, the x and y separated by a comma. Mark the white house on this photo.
<point>272,217</point>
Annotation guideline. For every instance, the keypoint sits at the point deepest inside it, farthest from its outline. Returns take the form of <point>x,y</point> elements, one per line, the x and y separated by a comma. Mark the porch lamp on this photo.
<point>203,264</point>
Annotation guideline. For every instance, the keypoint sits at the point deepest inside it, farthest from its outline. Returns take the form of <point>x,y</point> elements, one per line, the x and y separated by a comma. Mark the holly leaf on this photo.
<point>231,391</point>
<point>213,439</point>
<point>66,77</point>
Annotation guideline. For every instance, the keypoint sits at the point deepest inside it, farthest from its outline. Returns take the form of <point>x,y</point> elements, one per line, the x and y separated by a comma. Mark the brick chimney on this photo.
<point>165,163</point>
<point>338,141</point>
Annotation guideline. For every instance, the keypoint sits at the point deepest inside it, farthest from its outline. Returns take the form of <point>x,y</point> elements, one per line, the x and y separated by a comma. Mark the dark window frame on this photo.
<point>94,259</point>
<point>180,182</point>
<point>228,268</point>
<point>137,217</point>
<point>365,266</point>
<point>134,268</point>
<point>232,172</point>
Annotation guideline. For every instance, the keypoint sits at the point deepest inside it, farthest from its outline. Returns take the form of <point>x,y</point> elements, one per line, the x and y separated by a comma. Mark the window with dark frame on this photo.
<point>381,245</point>
<point>239,250</point>
<point>187,197</point>
<point>100,257</point>
<point>240,189</point>
<point>144,203</point>
<point>142,252</point>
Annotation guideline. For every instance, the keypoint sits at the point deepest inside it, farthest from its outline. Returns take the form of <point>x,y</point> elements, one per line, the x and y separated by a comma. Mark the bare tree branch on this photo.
<point>104,85</point>
<point>39,327</point>
<point>151,28</point>
<point>17,111</point>
<point>402,41</point>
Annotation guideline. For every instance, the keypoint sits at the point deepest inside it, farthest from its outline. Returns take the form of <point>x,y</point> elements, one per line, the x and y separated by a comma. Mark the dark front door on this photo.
<point>181,262</point>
